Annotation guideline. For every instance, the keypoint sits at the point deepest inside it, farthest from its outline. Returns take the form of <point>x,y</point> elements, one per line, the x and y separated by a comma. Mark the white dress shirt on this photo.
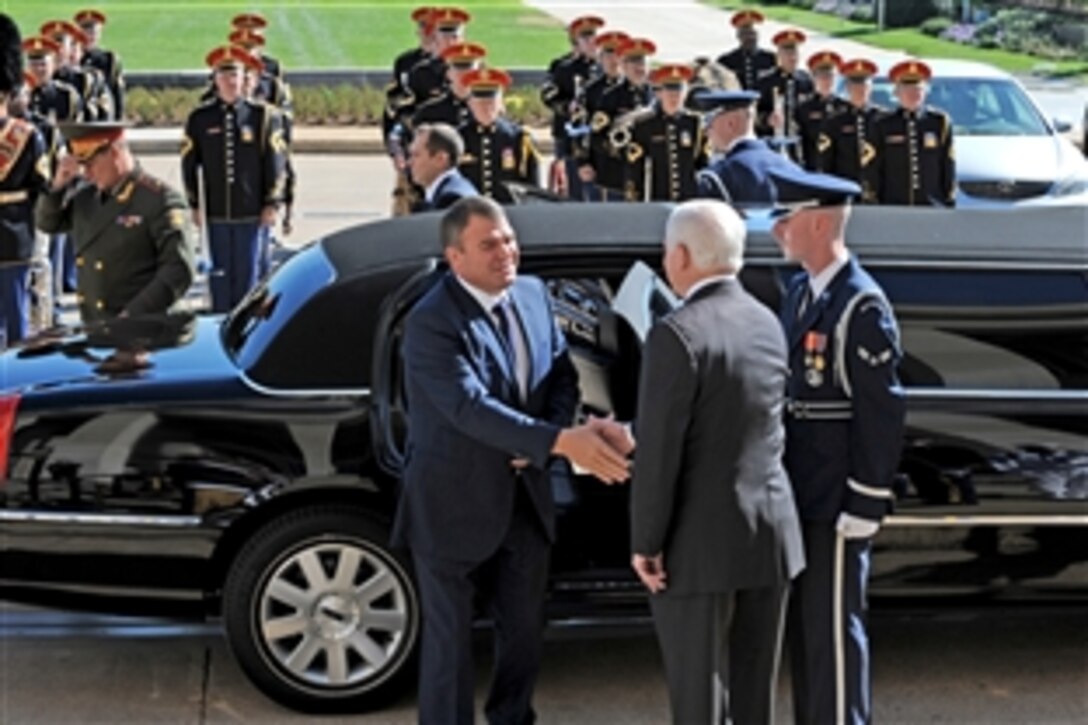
<point>431,190</point>
<point>488,301</point>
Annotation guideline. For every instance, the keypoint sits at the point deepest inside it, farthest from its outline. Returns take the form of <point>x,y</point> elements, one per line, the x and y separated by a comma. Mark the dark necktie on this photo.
<point>806,300</point>
<point>502,322</point>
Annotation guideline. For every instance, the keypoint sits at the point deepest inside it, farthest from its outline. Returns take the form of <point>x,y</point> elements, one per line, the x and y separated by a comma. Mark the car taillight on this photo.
<point>8,406</point>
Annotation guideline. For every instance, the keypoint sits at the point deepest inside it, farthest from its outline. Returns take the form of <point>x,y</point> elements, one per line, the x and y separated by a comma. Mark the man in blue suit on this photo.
<point>433,157</point>
<point>738,170</point>
<point>844,429</point>
<point>491,393</point>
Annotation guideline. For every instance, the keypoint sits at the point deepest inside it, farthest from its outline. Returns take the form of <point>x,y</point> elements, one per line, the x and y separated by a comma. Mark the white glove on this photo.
<point>855,527</point>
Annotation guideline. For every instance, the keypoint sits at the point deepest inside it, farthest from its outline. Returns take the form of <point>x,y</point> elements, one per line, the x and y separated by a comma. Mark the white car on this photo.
<point>1007,151</point>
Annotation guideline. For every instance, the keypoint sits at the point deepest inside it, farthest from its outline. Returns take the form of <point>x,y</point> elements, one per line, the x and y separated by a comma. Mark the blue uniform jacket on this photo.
<point>466,421</point>
<point>845,415</point>
<point>740,176</point>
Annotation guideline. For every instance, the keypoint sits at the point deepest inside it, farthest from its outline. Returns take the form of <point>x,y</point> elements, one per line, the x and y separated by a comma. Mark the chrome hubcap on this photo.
<point>335,614</point>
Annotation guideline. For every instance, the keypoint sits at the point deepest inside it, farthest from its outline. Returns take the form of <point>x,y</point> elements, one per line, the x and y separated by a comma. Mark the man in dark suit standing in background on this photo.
<point>714,529</point>
<point>844,433</point>
<point>433,157</point>
<point>491,393</point>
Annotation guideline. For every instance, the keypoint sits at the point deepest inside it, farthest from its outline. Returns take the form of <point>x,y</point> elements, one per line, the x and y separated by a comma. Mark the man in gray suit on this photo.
<point>714,528</point>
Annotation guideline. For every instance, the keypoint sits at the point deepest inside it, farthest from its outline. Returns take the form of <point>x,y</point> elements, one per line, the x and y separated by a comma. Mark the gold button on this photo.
<point>100,304</point>
<point>79,261</point>
<point>98,265</point>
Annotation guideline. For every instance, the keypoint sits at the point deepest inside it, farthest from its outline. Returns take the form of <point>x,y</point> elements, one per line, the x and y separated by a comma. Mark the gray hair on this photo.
<point>711,230</point>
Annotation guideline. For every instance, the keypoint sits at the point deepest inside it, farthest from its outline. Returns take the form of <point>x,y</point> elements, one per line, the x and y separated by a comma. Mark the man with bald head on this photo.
<point>714,529</point>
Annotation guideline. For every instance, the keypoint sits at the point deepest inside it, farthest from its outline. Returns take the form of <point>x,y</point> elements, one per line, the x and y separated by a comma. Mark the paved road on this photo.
<point>998,665</point>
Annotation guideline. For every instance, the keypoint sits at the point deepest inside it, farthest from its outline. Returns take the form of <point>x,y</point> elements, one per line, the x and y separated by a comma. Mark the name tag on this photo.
<point>895,139</point>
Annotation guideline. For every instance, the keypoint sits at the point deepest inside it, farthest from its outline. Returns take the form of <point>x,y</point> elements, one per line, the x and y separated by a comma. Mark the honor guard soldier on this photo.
<point>610,123</point>
<point>821,105</point>
<point>51,97</point>
<point>593,151</point>
<point>740,163</point>
<point>271,88</point>
<point>239,146</point>
<point>846,143</point>
<point>782,90</point>
<point>97,104</point>
<point>452,106</point>
<point>666,147</point>
<point>709,76</point>
<point>107,62</point>
<point>915,164</point>
<point>257,22</point>
<point>567,75</point>
<point>427,79</point>
<point>845,417</point>
<point>24,170</point>
<point>396,92</point>
<point>748,61</point>
<point>497,150</point>
<point>133,244</point>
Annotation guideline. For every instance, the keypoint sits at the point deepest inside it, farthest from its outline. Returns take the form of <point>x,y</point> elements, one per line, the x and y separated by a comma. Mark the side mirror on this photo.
<point>1062,124</point>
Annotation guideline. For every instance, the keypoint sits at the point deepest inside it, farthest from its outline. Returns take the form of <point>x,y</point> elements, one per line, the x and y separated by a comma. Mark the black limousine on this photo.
<point>246,466</point>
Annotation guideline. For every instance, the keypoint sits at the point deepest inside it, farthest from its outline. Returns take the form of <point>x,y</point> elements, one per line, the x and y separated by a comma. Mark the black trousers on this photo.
<point>511,583</point>
<point>828,630</point>
<point>721,653</point>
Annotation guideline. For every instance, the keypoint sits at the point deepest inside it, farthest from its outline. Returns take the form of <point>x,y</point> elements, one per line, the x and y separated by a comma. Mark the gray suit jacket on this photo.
<point>710,490</point>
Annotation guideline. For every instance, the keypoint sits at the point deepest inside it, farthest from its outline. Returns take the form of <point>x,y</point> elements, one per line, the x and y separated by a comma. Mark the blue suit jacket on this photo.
<point>741,176</point>
<point>453,188</point>
<point>466,420</point>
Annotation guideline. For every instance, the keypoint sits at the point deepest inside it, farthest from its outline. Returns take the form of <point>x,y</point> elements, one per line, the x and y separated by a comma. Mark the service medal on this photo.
<point>814,377</point>
<point>247,134</point>
<point>508,161</point>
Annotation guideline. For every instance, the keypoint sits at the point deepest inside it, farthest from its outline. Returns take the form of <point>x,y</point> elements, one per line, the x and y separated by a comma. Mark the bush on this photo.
<point>908,13</point>
<point>861,14</point>
<point>935,27</point>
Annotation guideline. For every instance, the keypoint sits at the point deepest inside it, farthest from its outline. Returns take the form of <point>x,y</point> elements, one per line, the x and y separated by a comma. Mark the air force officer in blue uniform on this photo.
<point>844,427</point>
<point>491,393</point>
<point>738,171</point>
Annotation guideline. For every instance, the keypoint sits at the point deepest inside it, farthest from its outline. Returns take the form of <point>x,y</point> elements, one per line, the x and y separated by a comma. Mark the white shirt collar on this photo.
<point>706,282</point>
<point>820,282</point>
<point>433,188</point>
<point>484,299</point>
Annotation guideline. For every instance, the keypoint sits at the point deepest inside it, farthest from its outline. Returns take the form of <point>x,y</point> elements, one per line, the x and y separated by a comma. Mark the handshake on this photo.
<point>600,446</point>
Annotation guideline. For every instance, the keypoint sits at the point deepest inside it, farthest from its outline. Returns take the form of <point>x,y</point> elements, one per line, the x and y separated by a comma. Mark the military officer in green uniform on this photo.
<point>133,244</point>
<point>666,145</point>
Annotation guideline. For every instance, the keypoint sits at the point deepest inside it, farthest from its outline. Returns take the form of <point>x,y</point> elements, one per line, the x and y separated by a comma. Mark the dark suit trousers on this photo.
<point>512,584</point>
<point>827,630</point>
<point>721,654</point>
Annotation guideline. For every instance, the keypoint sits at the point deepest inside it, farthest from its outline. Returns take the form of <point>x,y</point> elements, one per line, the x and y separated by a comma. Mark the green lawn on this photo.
<point>167,35</point>
<point>908,40</point>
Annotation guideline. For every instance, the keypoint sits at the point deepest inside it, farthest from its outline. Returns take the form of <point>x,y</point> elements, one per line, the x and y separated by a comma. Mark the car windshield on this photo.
<point>978,106</point>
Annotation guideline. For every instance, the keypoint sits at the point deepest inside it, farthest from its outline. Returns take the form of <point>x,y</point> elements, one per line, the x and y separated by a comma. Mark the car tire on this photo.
<point>320,614</point>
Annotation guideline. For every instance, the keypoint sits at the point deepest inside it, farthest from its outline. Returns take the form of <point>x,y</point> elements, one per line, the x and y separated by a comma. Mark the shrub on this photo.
<point>935,27</point>
<point>908,13</point>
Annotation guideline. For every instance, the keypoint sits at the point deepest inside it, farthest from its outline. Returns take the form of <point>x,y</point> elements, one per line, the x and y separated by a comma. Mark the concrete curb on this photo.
<point>366,140</point>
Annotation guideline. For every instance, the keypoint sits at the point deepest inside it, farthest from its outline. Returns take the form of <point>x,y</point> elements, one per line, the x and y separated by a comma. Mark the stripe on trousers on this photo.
<point>836,629</point>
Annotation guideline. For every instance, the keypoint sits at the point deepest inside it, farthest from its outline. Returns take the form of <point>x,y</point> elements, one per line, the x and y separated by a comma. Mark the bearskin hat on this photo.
<point>11,55</point>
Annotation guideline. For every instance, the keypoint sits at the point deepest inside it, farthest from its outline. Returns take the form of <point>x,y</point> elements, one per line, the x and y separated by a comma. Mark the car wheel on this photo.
<point>320,615</point>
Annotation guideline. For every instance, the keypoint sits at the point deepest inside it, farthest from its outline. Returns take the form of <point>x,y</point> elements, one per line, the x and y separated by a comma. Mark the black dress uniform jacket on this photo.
<point>847,147</point>
<point>566,77</point>
<point>616,101</point>
<point>24,173</point>
<point>811,115</point>
<point>397,95</point>
<point>915,165</point>
<point>56,101</point>
<point>242,150</point>
<point>794,89</point>
<point>133,246</point>
<point>108,64</point>
<point>427,80</point>
<point>91,86</point>
<point>446,108</point>
<point>846,411</point>
<point>748,67</point>
<point>497,154</point>
<point>666,151</point>
<point>592,149</point>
